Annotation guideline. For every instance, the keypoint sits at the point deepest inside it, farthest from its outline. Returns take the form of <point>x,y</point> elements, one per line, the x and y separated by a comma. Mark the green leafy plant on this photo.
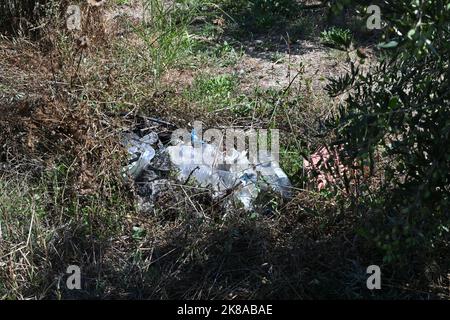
<point>260,15</point>
<point>396,119</point>
<point>166,34</point>
<point>213,92</point>
<point>337,38</point>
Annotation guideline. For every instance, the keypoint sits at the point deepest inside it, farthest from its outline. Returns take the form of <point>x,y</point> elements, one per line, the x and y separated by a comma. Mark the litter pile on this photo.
<point>154,166</point>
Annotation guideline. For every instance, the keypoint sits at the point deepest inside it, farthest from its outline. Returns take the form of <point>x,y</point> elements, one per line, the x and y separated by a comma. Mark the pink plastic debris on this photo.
<point>320,162</point>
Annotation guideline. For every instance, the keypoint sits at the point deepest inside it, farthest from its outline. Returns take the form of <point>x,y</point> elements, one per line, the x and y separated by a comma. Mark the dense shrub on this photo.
<point>260,15</point>
<point>400,113</point>
<point>20,14</point>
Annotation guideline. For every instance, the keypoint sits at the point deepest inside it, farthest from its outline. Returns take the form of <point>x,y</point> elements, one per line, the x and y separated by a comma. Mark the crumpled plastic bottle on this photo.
<point>275,177</point>
<point>141,152</point>
<point>223,171</point>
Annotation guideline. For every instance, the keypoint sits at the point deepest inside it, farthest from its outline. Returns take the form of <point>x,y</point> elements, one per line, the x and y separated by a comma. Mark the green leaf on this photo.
<point>393,102</point>
<point>411,33</point>
<point>138,233</point>
<point>389,45</point>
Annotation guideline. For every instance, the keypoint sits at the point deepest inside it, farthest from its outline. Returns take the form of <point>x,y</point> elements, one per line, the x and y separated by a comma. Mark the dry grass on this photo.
<point>63,202</point>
